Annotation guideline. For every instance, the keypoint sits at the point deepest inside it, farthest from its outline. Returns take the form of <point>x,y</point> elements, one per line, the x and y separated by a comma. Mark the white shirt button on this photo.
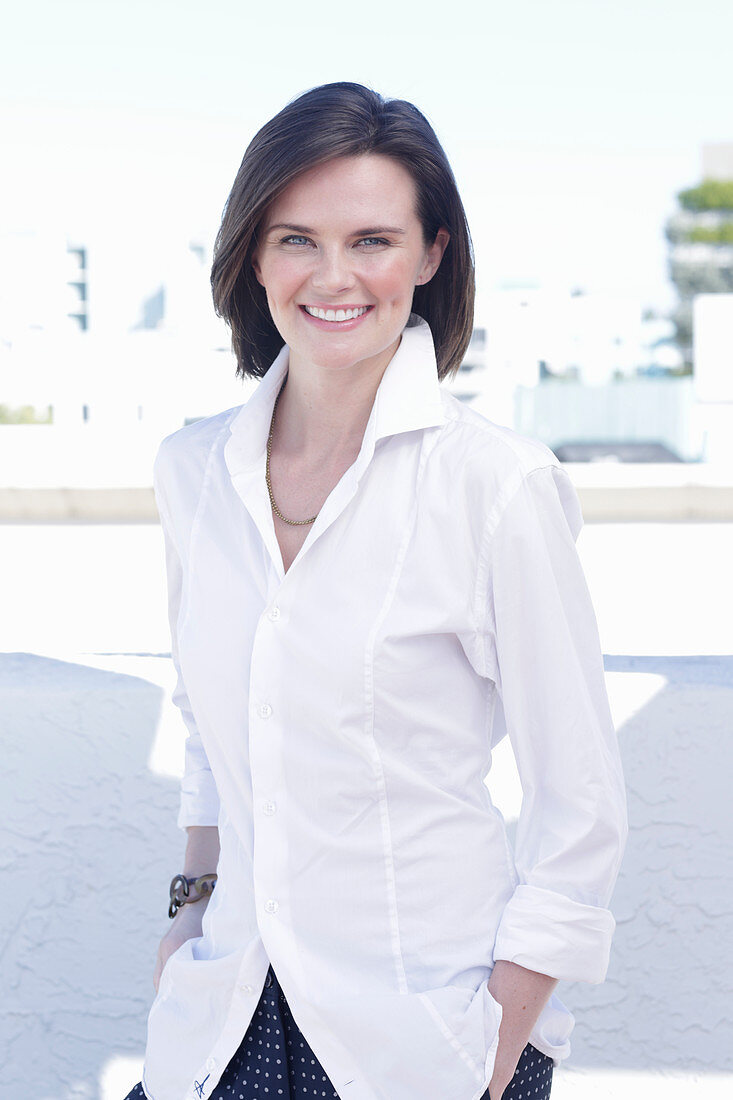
<point>273,614</point>
<point>210,1063</point>
<point>246,989</point>
<point>271,906</point>
<point>269,808</point>
<point>264,710</point>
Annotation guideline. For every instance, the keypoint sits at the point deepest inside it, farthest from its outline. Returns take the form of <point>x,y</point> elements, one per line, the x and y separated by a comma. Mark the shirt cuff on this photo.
<point>199,801</point>
<point>552,934</point>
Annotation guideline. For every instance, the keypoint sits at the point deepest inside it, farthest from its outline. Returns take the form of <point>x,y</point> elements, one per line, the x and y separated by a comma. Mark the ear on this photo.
<point>433,256</point>
<point>256,267</point>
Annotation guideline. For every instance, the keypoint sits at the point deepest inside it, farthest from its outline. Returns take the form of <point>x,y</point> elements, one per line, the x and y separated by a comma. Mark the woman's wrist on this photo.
<point>522,995</point>
<point>189,891</point>
<point>192,887</point>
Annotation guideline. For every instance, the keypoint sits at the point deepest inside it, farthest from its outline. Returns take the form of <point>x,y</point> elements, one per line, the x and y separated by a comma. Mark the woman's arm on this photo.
<point>542,650</point>
<point>548,667</point>
<point>201,858</point>
<point>202,851</point>
<point>199,800</point>
<point>522,995</point>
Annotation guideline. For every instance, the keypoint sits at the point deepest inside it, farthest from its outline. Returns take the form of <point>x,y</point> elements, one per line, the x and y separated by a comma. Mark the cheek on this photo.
<point>281,278</point>
<point>397,280</point>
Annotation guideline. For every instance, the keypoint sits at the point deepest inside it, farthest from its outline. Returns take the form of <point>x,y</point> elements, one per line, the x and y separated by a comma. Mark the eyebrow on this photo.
<point>369,232</point>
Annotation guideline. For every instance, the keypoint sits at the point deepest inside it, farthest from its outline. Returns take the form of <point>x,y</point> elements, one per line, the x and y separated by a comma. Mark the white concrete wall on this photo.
<point>668,999</point>
<point>88,843</point>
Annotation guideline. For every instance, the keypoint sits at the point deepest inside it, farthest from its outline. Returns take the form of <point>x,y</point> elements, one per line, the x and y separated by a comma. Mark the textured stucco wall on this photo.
<point>88,841</point>
<point>88,845</point>
<point>668,998</point>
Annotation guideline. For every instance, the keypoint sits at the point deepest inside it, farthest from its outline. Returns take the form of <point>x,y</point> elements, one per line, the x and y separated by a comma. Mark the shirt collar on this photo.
<point>408,398</point>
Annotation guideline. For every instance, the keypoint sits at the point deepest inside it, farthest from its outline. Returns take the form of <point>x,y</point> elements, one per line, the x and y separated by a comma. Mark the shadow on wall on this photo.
<point>668,998</point>
<point>89,837</point>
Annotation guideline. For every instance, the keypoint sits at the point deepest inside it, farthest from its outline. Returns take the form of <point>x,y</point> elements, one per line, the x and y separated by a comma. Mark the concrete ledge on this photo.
<point>102,505</point>
<point>606,496</point>
<point>613,492</point>
<point>656,503</point>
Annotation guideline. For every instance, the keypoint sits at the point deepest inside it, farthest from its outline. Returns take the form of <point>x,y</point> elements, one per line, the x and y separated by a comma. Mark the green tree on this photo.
<point>711,194</point>
<point>24,414</point>
<point>700,234</point>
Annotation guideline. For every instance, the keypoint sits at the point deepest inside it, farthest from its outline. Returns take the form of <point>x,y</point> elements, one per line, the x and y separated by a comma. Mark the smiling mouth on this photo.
<point>336,314</point>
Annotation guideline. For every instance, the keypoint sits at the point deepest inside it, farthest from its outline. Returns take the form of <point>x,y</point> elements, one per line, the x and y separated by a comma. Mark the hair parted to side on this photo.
<point>329,121</point>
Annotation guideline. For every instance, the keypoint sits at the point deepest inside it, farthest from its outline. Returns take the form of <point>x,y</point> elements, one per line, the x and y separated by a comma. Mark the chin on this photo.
<point>336,361</point>
<point>333,353</point>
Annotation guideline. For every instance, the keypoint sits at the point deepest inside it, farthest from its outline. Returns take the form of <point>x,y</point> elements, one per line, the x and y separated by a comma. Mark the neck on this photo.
<point>323,411</point>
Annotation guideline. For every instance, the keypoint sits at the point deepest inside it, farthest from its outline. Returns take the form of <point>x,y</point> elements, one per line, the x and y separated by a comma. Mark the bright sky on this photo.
<point>570,124</point>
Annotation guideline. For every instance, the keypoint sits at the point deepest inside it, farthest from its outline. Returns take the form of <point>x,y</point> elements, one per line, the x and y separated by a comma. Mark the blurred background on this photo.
<point>593,147</point>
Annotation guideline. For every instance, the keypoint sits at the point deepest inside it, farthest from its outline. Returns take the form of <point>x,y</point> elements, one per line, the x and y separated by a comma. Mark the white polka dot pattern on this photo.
<point>274,1061</point>
<point>532,1078</point>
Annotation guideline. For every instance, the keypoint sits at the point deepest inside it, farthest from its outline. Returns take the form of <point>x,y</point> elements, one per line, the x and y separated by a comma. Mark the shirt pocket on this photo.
<point>184,951</point>
<point>188,1017</point>
<point>469,1020</point>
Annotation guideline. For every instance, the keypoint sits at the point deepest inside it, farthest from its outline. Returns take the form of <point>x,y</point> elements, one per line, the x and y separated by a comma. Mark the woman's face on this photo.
<point>345,236</point>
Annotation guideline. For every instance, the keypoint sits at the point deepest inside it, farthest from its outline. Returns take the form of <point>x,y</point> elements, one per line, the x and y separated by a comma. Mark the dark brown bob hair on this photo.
<point>341,120</point>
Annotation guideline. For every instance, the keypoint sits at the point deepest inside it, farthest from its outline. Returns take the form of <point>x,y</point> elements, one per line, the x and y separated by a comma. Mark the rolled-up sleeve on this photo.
<point>199,798</point>
<point>543,651</point>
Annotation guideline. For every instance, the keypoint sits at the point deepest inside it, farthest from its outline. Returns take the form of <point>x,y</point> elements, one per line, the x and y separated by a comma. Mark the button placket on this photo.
<point>270,862</point>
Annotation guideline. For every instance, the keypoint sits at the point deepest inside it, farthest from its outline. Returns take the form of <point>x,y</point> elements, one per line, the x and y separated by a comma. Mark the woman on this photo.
<point>370,584</point>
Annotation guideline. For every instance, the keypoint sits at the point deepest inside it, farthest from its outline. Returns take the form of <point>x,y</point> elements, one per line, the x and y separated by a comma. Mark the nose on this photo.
<point>332,272</point>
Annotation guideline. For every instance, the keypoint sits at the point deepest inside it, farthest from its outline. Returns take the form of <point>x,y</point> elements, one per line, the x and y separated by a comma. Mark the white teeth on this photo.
<point>336,314</point>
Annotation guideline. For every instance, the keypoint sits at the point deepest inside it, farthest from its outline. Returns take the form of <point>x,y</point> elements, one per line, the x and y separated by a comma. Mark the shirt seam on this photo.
<point>492,523</point>
<point>370,715</point>
<point>510,441</point>
<point>384,811</point>
<point>195,525</point>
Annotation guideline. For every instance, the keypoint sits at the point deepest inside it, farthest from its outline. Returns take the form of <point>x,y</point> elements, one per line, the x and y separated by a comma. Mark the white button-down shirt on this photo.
<point>340,721</point>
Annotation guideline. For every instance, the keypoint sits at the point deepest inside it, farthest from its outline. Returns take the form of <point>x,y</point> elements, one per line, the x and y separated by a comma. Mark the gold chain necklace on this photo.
<point>276,510</point>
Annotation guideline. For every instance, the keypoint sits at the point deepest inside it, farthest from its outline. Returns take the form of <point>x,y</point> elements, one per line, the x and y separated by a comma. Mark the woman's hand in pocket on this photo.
<point>500,1079</point>
<point>522,995</point>
<point>185,925</point>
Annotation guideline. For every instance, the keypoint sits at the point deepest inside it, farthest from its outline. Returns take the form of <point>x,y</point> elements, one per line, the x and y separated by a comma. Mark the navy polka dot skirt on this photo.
<point>275,1061</point>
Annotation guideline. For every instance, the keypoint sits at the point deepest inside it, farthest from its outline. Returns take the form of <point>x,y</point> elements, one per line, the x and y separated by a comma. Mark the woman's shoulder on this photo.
<point>491,451</point>
<point>188,448</point>
<point>495,465</point>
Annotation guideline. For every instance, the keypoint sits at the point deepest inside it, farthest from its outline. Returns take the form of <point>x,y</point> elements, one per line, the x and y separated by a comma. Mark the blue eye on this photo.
<point>298,241</point>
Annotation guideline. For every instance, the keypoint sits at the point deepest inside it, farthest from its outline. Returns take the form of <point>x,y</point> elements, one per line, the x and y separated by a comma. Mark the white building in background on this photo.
<point>113,330</point>
<point>130,357</point>
<point>110,283</point>
<point>144,283</point>
<point>712,329</point>
<point>537,331</point>
<point>717,160</point>
<point>43,285</point>
<point>532,333</point>
<point>118,335</point>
